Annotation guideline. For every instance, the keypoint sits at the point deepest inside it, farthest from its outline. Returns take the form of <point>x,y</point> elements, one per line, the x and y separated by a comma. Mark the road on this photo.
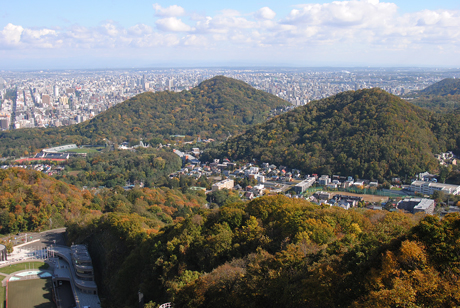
<point>47,238</point>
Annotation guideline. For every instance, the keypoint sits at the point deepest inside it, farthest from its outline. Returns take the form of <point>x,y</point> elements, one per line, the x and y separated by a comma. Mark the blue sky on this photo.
<point>111,33</point>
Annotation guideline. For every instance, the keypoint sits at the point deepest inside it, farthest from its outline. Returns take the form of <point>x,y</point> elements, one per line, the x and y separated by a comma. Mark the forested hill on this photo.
<point>31,200</point>
<point>441,97</point>
<point>276,252</point>
<point>366,134</point>
<point>216,108</point>
<point>448,86</point>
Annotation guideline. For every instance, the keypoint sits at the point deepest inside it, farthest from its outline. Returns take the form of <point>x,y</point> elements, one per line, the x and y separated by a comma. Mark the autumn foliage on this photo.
<point>279,252</point>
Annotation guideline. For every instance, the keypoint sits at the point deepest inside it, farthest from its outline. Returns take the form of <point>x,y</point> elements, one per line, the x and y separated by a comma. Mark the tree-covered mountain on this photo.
<point>441,97</point>
<point>448,86</point>
<point>366,134</point>
<point>438,104</point>
<point>276,252</point>
<point>216,108</point>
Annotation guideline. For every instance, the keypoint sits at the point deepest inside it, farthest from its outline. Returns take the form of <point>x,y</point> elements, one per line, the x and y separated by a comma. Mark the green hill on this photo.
<point>441,97</point>
<point>216,108</point>
<point>448,86</point>
<point>366,134</point>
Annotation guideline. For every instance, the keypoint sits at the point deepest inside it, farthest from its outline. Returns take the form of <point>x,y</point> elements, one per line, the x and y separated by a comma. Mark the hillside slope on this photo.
<point>216,108</point>
<point>277,252</point>
<point>31,200</point>
<point>441,97</point>
<point>448,86</point>
<point>366,134</point>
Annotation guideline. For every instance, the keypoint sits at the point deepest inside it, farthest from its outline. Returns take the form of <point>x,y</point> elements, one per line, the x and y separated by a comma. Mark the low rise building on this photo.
<point>302,186</point>
<point>324,180</point>
<point>228,184</point>
<point>428,188</point>
<point>416,205</point>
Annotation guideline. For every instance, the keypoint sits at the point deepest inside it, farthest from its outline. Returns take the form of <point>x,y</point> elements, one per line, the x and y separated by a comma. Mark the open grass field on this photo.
<point>75,172</point>
<point>85,150</point>
<point>9,269</point>
<point>30,293</point>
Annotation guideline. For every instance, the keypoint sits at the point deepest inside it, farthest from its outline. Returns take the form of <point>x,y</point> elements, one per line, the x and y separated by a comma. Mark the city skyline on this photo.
<point>116,34</point>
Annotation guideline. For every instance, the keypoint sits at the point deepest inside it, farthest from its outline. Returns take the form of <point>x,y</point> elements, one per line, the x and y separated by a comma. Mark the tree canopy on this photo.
<point>366,134</point>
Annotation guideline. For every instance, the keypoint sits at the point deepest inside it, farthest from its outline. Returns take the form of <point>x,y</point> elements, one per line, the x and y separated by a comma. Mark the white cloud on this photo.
<point>170,11</point>
<point>335,26</point>
<point>265,13</point>
<point>195,40</point>
<point>11,34</point>
<point>172,24</point>
<point>140,30</point>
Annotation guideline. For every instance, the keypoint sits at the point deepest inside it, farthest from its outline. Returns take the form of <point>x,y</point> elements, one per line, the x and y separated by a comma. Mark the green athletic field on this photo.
<point>30,293</point>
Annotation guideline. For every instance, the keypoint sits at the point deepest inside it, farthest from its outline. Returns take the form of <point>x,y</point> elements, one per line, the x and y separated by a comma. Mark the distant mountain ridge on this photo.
<point>448,86</point>
<point>217,108</point>
<point>441,97</point>
<point>366,134</point>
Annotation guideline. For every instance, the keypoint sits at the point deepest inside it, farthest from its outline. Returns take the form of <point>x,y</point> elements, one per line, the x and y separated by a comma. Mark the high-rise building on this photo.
<point>170,84</point>
<point>56,91</point>
<point>46,100</point>
<point>4,121</point>
<point>64,100</point>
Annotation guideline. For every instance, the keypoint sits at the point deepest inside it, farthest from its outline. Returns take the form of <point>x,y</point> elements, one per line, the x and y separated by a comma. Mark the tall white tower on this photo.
<point>56,91</point>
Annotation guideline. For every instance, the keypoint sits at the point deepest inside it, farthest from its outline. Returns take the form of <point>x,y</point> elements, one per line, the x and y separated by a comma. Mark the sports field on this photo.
<point>86,150</point>
<point>368,198</point>
<point>30,293</point>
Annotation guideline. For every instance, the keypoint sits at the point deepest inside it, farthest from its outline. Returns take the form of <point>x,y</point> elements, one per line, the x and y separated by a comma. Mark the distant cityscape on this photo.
<point>58,98</point>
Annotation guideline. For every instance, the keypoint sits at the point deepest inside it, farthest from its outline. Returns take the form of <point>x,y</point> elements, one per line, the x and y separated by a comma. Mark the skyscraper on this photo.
<point>46,100</point>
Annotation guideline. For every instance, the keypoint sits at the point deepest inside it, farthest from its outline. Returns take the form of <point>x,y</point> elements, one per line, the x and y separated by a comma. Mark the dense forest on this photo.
<point>33,201</point>
<point>276,252</point>
<point>30,200</point>
<point>445,87</point>
<point>365,134</point>
<point>441,97</point>
<point>438,104</point>
<point>149,166</point>
<point>217,108</point>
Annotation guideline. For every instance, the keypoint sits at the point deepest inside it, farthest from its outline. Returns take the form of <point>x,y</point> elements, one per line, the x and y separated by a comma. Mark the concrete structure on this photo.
<point>46,100</point>
<point>324,180</point>
<point>302,186</point>
<point>428,188</point>
<point>81,269</point>
<point>4,121</point>
<point>322,195</point>
<point>416,205</point>
<point>61,148</point>
<point>3,253</point>
<point>228,184</point>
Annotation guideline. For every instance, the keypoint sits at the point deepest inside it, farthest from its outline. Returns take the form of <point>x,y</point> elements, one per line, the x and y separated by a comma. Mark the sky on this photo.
<point>100,34</point>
